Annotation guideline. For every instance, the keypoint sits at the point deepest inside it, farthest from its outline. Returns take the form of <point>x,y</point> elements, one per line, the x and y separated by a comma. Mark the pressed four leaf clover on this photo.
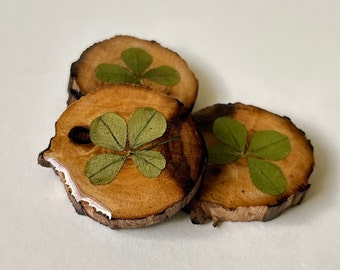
<point>264,146</point>
<point>111,131</point>
<point>138,62</point>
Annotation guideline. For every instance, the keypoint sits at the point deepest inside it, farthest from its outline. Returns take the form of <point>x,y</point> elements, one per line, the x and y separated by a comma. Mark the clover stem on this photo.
<point>128,153</point>
<point>163,142</point>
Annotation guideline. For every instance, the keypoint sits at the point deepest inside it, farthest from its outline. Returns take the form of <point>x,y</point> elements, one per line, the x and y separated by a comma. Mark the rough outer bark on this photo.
<point>83,80</point>
<point>227,193</point>
<point>131,199</point>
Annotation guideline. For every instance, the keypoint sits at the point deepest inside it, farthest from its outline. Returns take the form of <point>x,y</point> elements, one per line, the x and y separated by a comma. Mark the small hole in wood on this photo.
<point>80,135</point>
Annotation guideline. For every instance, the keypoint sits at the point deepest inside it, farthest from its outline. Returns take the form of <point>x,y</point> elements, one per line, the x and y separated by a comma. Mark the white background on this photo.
<point>283,56</point>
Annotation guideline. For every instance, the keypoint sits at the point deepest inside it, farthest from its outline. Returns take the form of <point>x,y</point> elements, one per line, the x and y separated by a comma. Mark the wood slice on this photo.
<point>227,192</point>
<point>83,79</point>
<point>131,200</point>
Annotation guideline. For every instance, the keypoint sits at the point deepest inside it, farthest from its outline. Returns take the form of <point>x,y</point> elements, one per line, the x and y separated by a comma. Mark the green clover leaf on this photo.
<point>145,125</point>
<point>137,62</point>
<point>102,169</point>
<point>163,75</point>
<point>231,132</point>
<point>220,153</point>
<point>110,73</point>
<point>149,163</point>
<point>266,176</point>
<point>111,131</point>
<point>270,145</point>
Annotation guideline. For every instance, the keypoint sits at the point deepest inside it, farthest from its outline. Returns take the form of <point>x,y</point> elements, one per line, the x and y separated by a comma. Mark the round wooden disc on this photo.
<point>83,79</point>
<point>130,200</point>
<point>227,192</point>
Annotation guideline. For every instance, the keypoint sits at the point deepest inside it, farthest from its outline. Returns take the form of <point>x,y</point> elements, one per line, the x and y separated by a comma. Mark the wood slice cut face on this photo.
<point>83,77</point>
<point>227,192</point>
<point>131,199</point>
